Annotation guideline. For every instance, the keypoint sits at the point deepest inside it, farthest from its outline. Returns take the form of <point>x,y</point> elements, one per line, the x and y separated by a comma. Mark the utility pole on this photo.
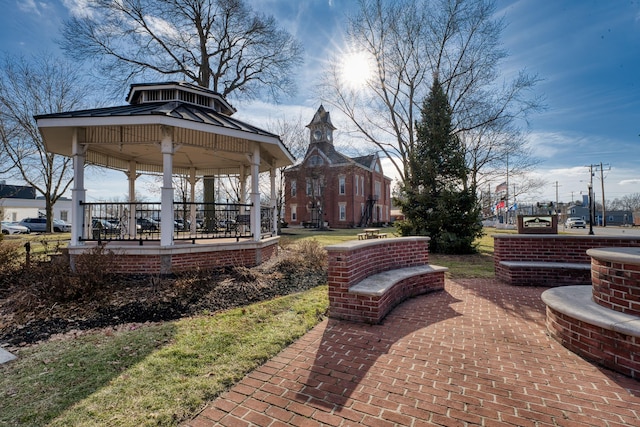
<point>557,197</point>
<point>592,169</point>
<point>604,211</point>
<point>591,206</point>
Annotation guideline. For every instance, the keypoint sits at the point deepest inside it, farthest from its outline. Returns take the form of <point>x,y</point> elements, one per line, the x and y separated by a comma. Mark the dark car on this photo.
<point>147,224</point>
<point>103,228</point>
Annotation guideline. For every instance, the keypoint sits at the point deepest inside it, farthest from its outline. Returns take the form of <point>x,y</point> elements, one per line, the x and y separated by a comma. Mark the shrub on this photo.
<point>56,282</point>
<point>10,253</point>
<point>305,255</point>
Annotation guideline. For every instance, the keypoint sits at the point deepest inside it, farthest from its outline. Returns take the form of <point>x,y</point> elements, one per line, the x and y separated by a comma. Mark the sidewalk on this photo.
<point>474,354</point>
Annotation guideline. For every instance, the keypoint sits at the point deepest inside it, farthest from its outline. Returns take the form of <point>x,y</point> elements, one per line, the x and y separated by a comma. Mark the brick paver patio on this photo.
<point>474,354</point>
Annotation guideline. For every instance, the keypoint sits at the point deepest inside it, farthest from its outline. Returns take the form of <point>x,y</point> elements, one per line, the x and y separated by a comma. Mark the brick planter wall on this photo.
<point>550,248</point>
<point>351,262</point>
<point>611,349</point>
<point>616,279</point>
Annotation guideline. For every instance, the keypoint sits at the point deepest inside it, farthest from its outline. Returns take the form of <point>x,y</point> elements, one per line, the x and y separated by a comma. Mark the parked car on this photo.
<point>575,222</point>
<point>13,228</point>
<point>103,228</point>
<point>147,224</point>
<point>34,224</point>
<point>40,225</point>
<point>61,227</point>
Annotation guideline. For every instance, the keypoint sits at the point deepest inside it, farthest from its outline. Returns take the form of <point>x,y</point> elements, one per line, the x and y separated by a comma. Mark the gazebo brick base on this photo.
<point>149,259</point>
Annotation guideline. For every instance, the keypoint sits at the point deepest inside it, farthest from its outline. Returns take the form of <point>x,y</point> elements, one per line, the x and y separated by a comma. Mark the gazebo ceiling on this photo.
<point>204,139</point>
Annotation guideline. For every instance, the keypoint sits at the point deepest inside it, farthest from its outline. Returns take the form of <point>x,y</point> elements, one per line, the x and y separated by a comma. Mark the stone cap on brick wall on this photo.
<point>353,244</point>
<point>623,255</point>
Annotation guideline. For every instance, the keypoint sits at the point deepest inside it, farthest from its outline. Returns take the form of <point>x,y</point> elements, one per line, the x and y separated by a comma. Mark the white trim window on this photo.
<point>342,185</point>
<point>294,213</point>
<point>294,188</point>
<point>343,211</point>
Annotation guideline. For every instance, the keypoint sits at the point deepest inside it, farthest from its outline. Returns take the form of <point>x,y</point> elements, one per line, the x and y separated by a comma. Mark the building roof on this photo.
<point>206,137</point>
<point>17,192</point>
<point>321,117</point>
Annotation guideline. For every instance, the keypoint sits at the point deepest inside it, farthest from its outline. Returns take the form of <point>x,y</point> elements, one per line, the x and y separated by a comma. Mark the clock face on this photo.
<point>317,135</point>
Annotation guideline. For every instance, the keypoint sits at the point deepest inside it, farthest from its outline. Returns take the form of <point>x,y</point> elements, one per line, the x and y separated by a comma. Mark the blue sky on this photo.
<point>587,52</point>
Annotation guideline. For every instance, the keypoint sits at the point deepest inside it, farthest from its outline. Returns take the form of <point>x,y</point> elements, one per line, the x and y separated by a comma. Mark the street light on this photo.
<point>590,209</point>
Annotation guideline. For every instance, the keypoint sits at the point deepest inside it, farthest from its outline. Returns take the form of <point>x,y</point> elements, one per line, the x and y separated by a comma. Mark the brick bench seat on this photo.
<point>549,259</point>
<point>545,273</point>
<point>368,278</point>
<point>546,264</point>
<point>379,284</point>
<point>375,296</point>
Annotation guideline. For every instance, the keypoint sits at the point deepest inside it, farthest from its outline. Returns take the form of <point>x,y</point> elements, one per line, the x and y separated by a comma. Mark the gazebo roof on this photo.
<point>207,138</point>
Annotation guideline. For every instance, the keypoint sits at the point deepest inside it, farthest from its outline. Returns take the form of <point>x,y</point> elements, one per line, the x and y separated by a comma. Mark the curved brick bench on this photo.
<point>368,278</point>
<point>549,259</point>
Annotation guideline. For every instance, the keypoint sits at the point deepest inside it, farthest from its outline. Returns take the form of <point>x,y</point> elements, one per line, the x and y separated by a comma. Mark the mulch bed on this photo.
<point>27,316</point>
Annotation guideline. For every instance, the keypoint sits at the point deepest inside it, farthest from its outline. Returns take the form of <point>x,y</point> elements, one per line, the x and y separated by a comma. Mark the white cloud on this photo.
<point>162,27</point>
<point>28,6</point>
<point>78,8</point>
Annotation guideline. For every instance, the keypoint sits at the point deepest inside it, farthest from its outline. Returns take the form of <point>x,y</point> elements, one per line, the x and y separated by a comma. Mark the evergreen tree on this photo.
<point>437,201</point>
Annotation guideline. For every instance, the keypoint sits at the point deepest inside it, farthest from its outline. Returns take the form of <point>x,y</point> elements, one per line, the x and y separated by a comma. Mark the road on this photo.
<point>603,231</point>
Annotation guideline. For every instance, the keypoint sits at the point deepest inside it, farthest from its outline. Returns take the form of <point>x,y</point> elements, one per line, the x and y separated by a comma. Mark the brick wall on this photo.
<point>351,262</point>
<point>616,285</point>
<point>181,258</point>
<point>550,248</point>
<point>608,348</point>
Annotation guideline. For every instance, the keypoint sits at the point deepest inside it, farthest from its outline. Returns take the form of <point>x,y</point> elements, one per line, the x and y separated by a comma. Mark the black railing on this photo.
<point>192,221</point>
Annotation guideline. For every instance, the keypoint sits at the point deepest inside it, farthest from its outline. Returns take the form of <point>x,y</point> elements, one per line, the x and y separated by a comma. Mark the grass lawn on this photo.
<point>163,373</point>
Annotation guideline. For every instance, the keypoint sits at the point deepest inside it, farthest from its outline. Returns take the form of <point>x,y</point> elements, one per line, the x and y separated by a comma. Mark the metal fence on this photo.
<point>192,221</point>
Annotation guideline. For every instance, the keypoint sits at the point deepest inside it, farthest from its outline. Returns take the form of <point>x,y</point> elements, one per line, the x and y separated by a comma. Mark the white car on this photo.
<point>575,222</point>
<point>11,228</point>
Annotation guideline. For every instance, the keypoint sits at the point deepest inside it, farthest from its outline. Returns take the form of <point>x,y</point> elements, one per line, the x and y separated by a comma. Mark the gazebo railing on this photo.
<point>122,221</point>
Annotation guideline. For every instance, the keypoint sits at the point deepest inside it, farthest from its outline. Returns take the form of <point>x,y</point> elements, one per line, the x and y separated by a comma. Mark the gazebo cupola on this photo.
<point>182,92</point>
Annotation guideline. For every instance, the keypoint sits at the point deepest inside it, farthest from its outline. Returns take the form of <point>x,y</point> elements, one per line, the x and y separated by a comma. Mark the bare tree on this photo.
<point>408,42</point>
<point>628,202</point>
<point>294,137</point>
<point>219,44</point>
<point>29,87</point>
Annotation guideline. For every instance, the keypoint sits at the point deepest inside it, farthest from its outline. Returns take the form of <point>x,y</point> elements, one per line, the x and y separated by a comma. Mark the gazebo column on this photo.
<point>274,202</point>
<point>255,192</point>
<point>132,176</point>
<point>243,195</point>
<point>192,200</point>
<point>78,192</point>
<point>166,204</point>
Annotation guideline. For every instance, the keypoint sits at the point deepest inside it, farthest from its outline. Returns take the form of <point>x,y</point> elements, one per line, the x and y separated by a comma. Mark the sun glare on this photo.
<point>356,69</point>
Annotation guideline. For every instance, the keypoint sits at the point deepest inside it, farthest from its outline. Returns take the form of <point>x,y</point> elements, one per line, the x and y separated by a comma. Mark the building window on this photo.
<point>343,211</point>
<point>294,213</point>
<point>315,160</point>
<point>377,190</point>
<point>308,187</point>
<point>293,188</point>
<point>64,215</point>
<point>342,185</point>
<point>362,185</point>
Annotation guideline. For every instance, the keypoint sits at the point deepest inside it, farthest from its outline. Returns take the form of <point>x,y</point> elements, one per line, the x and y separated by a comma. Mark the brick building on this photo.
<point>329,187</point>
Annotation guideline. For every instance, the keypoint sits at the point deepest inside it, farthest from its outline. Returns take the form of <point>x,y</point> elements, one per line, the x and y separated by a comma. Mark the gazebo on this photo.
<point>170,129</point>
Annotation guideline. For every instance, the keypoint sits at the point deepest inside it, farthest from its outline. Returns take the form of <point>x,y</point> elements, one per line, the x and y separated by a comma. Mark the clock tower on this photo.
<point>321,129</point>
